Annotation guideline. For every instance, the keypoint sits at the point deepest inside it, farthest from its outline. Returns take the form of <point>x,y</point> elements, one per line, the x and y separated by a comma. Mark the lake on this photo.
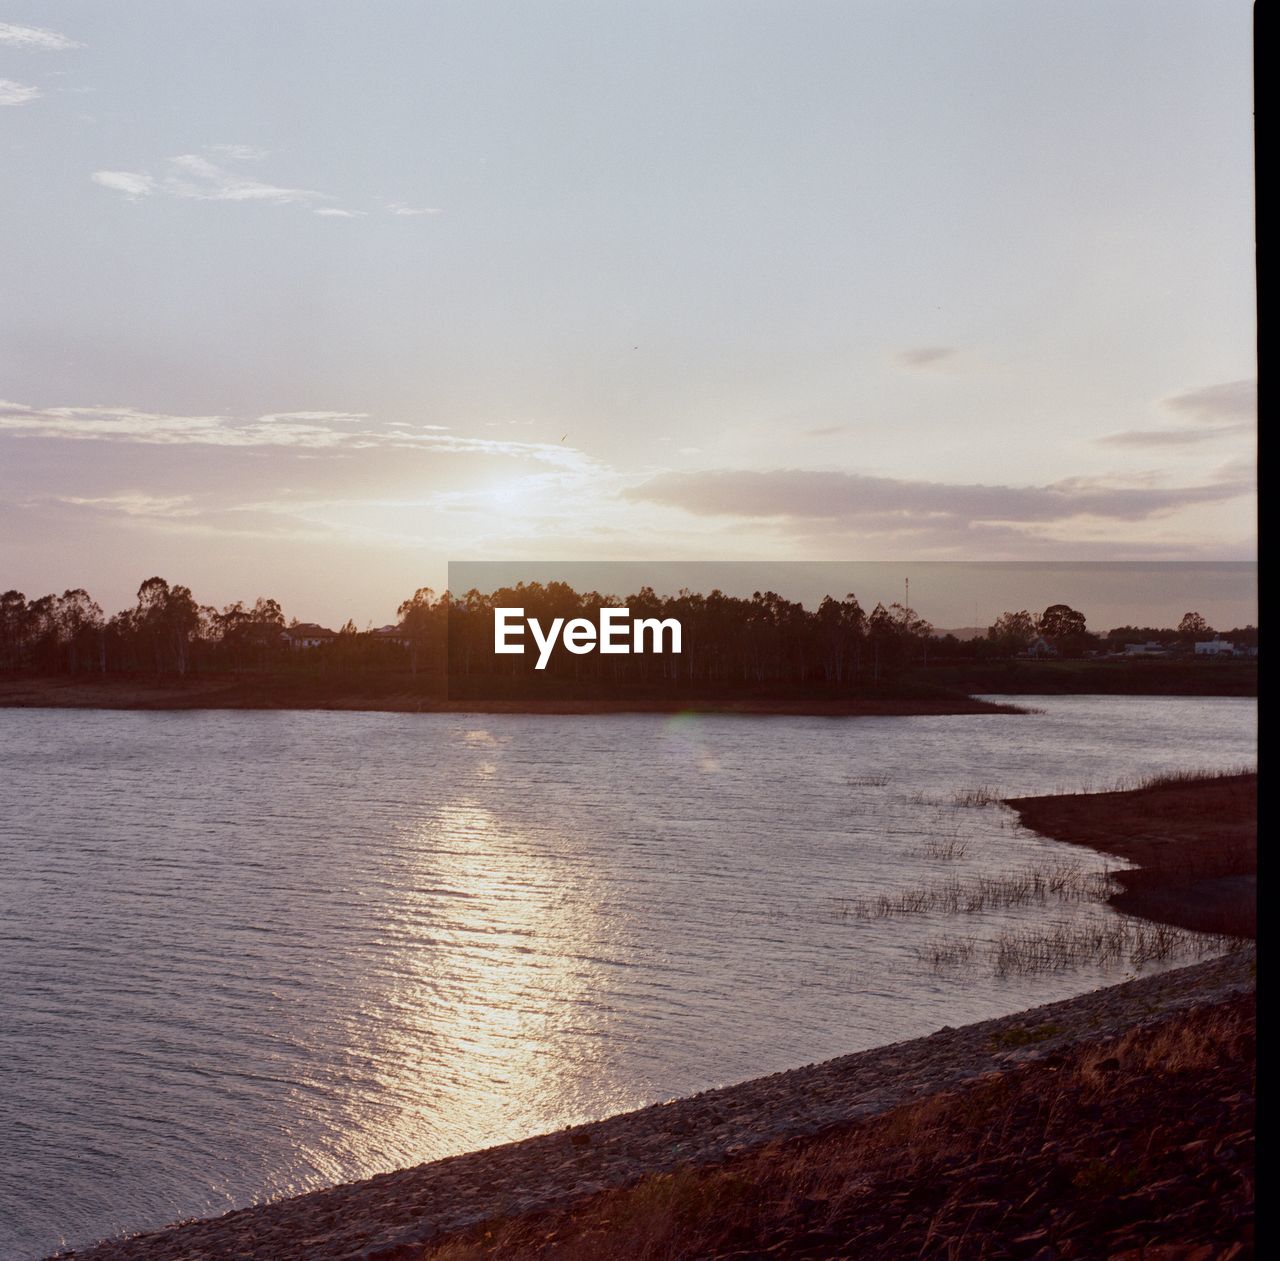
<point>249,954</point>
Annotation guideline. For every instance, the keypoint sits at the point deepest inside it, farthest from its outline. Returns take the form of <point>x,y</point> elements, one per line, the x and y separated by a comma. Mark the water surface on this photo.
<point>248,954</point>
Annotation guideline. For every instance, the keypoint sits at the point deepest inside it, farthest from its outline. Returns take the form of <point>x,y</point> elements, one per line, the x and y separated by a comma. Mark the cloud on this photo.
<point>886,502</point>
<point>133,184</point>
<point>1217,404</point>
<point>1170,437</point>
<point>195,177</point>
<point>134,504</point>
<point>925,356</point>
<point>240,152</point>
<point>36,37</point>
<point>304,431</point>
<point>12,93</point>
<point>1212,411</point>
<point>191,177</point>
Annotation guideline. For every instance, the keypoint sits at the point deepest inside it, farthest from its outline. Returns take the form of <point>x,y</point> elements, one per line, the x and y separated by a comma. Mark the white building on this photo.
<point>308,635</point>
<point>1215,648</point>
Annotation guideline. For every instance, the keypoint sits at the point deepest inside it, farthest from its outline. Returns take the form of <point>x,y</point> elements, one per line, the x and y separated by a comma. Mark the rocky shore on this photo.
<point>397,1216</point>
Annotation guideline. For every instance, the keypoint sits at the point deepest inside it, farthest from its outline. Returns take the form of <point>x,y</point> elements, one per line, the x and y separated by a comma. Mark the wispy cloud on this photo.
<point>135,504</point>
<point>1217,404</point>
<point>309,431</point>
<point>240,152</point>
<point>132,184</point>
<point>1171,437</point>
<point>926,356</point>
<point>35,37</point>
<point>1209,412</point>
<point>192,177</point>
<point>399,208</point>
<point>858,499</point>
<point>13,93</point>
<point>197,177</point>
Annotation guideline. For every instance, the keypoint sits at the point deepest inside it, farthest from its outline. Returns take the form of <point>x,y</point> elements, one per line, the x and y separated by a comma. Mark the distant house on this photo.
<point>1215,648</point>
<point>1152,648</point>
<point>391,635</point>
<point>1041,647</point>
<point>308,635</point>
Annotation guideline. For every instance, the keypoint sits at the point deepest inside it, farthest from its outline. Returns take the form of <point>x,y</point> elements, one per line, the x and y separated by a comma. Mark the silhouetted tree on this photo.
<point>1066,628</point>
<point>1193,627</point>
<point>417,619</point>
<point>166,618</point>
<point>1012,632</point>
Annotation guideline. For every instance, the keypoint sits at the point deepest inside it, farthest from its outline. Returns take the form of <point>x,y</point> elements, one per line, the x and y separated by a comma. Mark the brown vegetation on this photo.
<point>1135,1148</point>
<point>1061,947</point>
<point>1193,839</point>
<point>974,895</point>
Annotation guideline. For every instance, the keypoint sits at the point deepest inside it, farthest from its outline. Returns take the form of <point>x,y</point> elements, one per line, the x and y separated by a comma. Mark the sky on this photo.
<point>308,299</point>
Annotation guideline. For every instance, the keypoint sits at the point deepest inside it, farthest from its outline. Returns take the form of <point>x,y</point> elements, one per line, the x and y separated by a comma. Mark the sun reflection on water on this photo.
<point>493,983</point>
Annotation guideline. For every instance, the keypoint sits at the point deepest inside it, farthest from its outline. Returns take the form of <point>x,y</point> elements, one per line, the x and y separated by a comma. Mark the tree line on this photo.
<point>165,632</point>
<point>729,641</point>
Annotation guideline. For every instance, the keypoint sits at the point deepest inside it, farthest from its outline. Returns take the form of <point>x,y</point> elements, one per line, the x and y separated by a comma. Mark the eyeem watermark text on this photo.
<point>616,633</point>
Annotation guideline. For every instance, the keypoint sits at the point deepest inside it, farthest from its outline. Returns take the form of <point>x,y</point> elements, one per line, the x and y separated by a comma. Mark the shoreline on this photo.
<point>1192,840</point>
<point>347,696</point>
<point>397,1216</point>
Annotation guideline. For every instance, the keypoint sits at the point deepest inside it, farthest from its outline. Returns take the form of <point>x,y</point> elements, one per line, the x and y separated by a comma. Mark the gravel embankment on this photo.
<point>390,1217</point>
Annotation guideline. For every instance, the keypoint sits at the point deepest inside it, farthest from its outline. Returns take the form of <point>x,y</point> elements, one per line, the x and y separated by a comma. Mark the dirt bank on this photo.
<point>1194,840</point>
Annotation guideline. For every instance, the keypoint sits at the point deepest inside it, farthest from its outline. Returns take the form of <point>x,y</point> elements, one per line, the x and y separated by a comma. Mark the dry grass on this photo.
<point>1170,779</point>
<point>1032,886</point>
<point>1125,941</point>
<point>972,1173</point>
<point>1064,947</point>
<point>948,952</point>
<point>975,798</point>
<point>947,849</point>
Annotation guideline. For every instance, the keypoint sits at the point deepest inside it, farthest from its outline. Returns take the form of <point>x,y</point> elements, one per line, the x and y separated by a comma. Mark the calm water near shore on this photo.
<point>248,954</point>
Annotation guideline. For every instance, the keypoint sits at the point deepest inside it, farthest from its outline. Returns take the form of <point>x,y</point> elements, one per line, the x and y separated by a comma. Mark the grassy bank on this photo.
<point>1114,1150</point>
<point>1193,838</point>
